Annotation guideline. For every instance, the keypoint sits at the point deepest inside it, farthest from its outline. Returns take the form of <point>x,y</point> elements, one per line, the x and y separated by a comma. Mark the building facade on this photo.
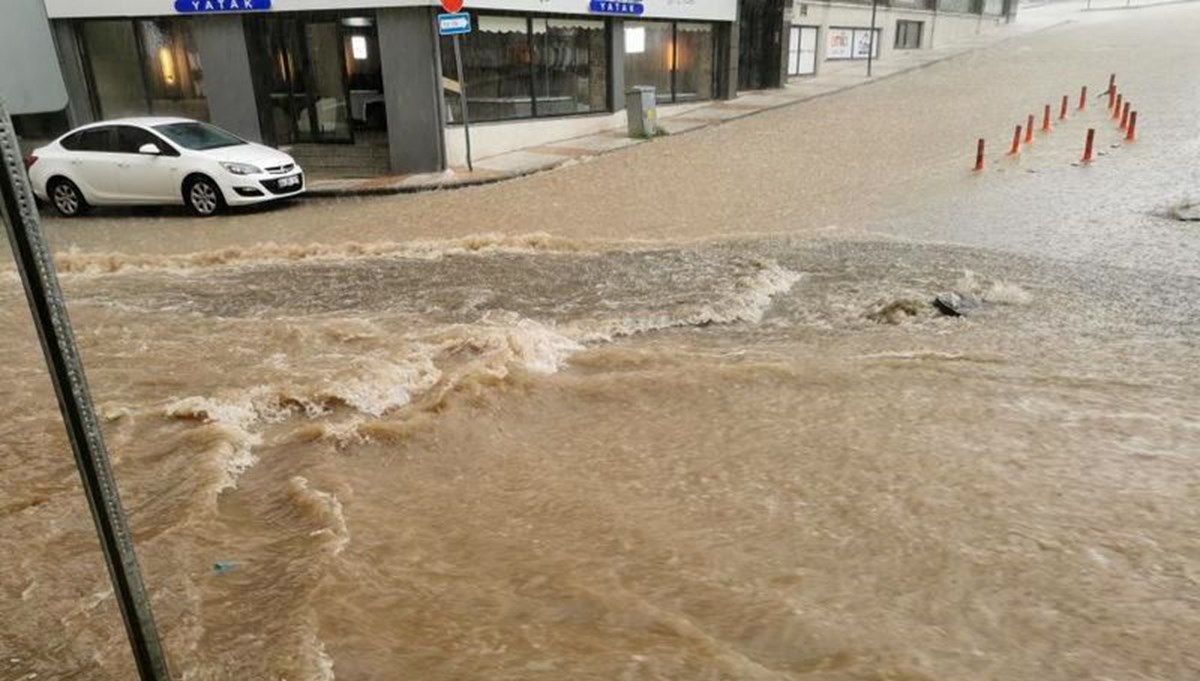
<point>361,87</point>
<point>823,32</point>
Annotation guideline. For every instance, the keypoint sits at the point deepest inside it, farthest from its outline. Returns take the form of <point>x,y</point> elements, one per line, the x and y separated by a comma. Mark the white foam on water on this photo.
<point>746,300</point>
<point>322,507</point>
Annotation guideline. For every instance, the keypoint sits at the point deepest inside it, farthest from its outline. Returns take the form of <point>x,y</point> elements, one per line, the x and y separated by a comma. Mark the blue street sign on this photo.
<point>454,24</point>
<point>219,6</point>
<point>620,7</point>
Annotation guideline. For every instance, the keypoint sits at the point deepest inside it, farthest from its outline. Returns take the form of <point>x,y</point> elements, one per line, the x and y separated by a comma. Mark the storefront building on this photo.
<point>822,32</point>
<point>357,87</point>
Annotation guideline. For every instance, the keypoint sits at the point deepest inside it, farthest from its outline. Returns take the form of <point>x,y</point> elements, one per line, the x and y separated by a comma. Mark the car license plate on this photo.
<point>289,181</point>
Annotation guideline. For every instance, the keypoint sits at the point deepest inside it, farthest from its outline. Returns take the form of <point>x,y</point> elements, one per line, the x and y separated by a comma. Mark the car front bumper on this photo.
<point>244,190</point>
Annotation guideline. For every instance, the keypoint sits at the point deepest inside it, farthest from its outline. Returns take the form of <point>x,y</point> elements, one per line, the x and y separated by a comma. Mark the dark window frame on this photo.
<point>904,29</point>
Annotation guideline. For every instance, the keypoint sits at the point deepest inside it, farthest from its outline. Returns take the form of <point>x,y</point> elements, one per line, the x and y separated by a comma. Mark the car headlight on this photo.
<point>241,169</point>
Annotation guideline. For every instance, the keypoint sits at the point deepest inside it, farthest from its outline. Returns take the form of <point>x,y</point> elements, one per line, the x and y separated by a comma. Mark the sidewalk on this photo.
<point>681,118</point>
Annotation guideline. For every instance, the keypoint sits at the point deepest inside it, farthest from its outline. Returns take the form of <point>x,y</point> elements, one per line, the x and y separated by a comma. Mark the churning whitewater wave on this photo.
<point>744,299</point>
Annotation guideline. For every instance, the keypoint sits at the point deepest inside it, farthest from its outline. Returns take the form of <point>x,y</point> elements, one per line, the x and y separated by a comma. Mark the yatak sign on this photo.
<point>218,6</point>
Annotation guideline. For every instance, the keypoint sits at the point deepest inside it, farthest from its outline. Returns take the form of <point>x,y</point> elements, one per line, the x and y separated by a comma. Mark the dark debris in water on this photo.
<point>1185,211</point>
<point>956,305</point>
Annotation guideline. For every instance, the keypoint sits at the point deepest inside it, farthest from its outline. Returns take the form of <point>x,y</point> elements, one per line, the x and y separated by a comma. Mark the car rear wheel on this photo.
<point>202,196</point>
<point>67,198</point>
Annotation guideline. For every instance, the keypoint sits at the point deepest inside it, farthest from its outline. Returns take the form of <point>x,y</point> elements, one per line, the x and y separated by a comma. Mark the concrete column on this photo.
<point>228,84</point>
<point>409,52</point>
<point>727,80</point>
<point>785,41</point>
<point>616,60</point>
<point>70,59</point>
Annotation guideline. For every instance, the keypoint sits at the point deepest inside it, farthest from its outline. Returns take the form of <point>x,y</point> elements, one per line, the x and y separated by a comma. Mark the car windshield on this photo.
<point>199,136</point>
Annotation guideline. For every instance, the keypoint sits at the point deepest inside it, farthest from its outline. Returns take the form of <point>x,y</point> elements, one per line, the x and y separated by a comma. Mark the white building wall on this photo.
<point>941,28</point>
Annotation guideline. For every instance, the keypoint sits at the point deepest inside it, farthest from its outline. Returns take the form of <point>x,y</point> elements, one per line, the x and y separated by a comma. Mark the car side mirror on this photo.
<point>150,149</point>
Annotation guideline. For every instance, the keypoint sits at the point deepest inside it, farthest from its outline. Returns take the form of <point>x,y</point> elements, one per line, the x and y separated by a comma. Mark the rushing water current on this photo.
<point>708,456</point>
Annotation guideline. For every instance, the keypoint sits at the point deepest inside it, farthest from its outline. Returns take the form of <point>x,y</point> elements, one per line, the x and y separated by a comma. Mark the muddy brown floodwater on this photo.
<point>683,412</point>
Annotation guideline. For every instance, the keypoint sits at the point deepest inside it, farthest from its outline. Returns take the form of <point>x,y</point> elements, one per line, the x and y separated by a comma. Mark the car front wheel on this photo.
<point>202,196</point>
<point>67,198</point>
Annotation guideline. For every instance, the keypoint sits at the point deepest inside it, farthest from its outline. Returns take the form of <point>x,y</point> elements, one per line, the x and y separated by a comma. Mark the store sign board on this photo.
<point>220,6</point>
<point>454,24</point>
<point>618,7</point>
<point>689,10</point>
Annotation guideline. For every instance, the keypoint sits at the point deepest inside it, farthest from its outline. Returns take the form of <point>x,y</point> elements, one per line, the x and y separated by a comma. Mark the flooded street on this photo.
<point>686,411</point>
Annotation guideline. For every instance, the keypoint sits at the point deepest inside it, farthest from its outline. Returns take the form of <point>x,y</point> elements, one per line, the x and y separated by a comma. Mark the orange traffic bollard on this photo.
<point>1062,112</point>
<point>1087,147</point>
<point>1129,134</point>
<point>1029,130</point>
<point>1125,116</point>
<point>1112,97</point>
<point>1117,108</point>
<point>1046,119</point>
<point>1112,81</point>
<point>979,155</point>
<point>1016,147</point>
<point>1083,98</point>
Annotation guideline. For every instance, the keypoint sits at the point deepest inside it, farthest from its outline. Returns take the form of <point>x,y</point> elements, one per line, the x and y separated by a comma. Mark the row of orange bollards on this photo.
<point>1121,110</point>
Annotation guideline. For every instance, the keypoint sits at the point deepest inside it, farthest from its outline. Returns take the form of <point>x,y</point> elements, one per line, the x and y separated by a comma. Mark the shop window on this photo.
<point>649,55</point>
<point>571,72</point>
<point>694,50</point>
<point>521,67</point>
<point>802,51</point>
<point>364,74</point>
<point>676,58</point>
<point>174,80</point>
<point>908,34</point>
<point>852,43</point>
<point>144,67</point>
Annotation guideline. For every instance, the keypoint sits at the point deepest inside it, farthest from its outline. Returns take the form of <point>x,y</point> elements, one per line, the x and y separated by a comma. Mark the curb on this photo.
<point>388,191</point>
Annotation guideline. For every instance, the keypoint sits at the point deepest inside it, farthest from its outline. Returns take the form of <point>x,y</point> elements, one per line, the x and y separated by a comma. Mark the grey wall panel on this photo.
<point>70,59</point>
<point>30,79</point>
<point>412,85</point>
<point>221,42</point>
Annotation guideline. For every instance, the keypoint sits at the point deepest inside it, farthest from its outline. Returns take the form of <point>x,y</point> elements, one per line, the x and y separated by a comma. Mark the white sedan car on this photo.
<point>147,161</point>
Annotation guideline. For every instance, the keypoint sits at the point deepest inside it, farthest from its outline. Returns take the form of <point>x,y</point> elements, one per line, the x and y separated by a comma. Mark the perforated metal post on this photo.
<point>74,400</point>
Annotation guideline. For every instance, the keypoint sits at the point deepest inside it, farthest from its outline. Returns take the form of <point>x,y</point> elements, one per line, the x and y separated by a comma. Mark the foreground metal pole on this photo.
<point>74,400</point>
<point>462,99</point>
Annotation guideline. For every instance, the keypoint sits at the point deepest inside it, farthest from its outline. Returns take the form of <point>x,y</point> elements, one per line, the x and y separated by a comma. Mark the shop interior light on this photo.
<point>166,63</point>
<point>358,45</point>
<point>635,39</point>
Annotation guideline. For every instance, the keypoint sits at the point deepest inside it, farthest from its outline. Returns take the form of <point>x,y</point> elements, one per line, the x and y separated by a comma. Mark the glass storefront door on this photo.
<point>302,64</point>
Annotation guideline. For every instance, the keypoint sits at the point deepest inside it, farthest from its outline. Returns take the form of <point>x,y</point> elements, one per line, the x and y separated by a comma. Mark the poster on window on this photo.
<point>841,44</point>
<point>863,44</point>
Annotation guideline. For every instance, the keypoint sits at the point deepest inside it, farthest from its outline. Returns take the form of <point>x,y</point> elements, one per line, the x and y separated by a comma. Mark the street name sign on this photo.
<point>457,23</point>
